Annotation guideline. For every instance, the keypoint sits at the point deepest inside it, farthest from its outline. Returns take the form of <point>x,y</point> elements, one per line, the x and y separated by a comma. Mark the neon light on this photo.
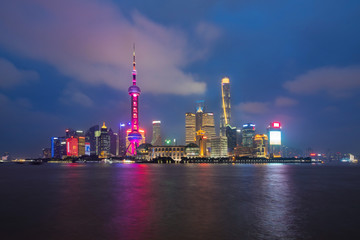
<point>276,125</point>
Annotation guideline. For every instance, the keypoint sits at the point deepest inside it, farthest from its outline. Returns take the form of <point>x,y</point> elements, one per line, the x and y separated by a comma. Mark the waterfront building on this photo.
<point>91,137</point>
<point>248,133</point>
<point>261,145</point>
<point>241,151</point>
<point>58,147</point>
<point>104,143</point>
<point>219,147</point>
<point>156,137</point>
<point>208,125</point>
<point>122,139</point>
<point>225,115</point>
<point>174,152</point>
<point>190,126</point>
<point>114,143</point>
<point>72,147</point>
<point>134,137</point>
<point>274,134</point>
<point>192,150</point>
<point>81,145</point>
<point>231,138</point>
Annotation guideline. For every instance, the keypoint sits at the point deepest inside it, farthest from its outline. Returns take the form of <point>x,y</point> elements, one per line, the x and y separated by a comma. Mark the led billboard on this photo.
<point>275,138</point>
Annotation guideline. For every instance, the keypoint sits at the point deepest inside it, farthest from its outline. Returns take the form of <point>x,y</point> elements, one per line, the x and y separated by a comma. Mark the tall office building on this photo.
<point>58,147</point>
<point>208,125</point>
<point>156,137</point>
<point>79,134</point>
<point>114,143</point>
<point>190,126</point>
<point>122,139</point>
<point>91,137</point>
<point>199,115</point>
<point>72,147</point>
<point>261,145</point>
<point>248,133</point>
<point>225,115</point>
<point>231,138</point>
<point>104,143</point>
<point>219,147</point>
<point>274,134</point>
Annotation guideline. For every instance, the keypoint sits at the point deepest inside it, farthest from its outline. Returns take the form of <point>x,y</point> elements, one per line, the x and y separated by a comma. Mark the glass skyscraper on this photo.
<point>225,115</point>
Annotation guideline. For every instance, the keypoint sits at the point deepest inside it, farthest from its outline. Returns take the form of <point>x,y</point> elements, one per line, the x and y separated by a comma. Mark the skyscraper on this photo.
<point>248,133</point>
<point>104,143</point>
<point>156,137</point>
<point>225,115</point>
<point>219,147</point>
<point>114,142</point>
<point>190,125</point>
<point>134,136</point>
<point>208,124</point>
<point>261,145</point>
<point>92,138</point>
<point>231,138</point>
<point>122,139</point>
<point>274,134</point>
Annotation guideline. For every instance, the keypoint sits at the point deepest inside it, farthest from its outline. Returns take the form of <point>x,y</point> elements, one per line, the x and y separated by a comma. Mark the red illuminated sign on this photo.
<point>313,154</point>
<point>72,147</point>
<point>276,125</point>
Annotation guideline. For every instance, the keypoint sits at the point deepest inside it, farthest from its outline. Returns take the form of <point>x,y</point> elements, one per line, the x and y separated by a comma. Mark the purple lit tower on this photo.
<point>134,136</point>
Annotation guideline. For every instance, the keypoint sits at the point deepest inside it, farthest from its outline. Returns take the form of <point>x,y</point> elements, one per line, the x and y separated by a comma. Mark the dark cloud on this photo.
<point>335,81</point>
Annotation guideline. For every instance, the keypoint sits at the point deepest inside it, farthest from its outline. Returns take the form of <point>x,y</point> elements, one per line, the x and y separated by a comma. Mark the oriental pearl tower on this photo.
<point>134,136</point>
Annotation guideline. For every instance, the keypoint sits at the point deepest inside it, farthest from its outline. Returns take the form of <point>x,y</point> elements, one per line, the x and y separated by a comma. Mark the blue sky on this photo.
<point>68,64</point>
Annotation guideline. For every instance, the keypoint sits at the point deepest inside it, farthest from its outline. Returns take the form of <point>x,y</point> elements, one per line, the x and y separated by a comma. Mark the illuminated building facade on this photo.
<point>72,149</point>
<point>190,126</point>
<point>261,145</point>
<point>58,147</point>
<point>156,137</point>
<point>208,125</point>
<point>248,133</point>
<point>192,150</point>
<point>219,147</point>
<point>225,115</point>
<point>104,143</point>
<point>134,137</point>
<point>175,152</point>
<point>274,134</point>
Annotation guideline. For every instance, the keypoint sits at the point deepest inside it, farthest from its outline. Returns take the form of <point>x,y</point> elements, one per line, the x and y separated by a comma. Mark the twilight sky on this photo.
<point>67,63</point>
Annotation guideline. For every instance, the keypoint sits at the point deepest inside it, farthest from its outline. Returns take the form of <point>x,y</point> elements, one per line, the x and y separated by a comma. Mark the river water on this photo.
<point>176,201</point>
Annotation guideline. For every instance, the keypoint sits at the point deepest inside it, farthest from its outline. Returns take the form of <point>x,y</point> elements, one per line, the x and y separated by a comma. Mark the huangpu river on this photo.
<point>179,201</point>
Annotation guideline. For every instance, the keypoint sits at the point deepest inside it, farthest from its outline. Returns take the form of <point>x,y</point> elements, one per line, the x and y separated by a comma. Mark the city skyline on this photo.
<point>283,64</point>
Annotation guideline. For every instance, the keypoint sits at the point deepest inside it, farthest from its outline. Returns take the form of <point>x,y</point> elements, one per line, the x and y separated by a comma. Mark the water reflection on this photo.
<point>276,205</point>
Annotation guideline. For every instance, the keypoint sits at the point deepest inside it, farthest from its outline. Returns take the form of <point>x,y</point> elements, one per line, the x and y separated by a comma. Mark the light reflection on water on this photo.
<point>191,201</point>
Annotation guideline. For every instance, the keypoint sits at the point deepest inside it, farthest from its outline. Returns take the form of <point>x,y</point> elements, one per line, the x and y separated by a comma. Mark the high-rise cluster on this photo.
<point>232,141</point>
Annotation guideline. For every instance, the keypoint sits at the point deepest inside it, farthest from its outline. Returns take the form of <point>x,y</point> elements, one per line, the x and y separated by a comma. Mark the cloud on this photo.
<point>91,41</point>
<point>253,107</point>
<point>285,102</point>
<point>71,96</point>
<point>11,76</point>
<point>333,80</point>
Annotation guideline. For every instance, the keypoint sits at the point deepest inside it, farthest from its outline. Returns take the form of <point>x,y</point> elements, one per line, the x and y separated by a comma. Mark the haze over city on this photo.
<point>67,64</point>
